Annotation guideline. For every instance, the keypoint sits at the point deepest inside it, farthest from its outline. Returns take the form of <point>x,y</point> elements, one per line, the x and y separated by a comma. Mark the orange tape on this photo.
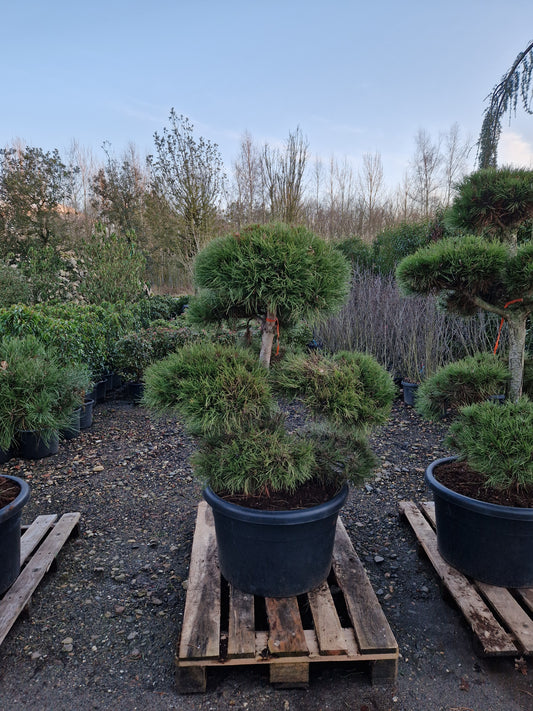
<point>514,301</point>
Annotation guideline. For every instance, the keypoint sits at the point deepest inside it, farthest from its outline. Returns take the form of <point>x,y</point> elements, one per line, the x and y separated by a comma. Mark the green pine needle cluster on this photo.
<point>215,387</point>
<point>37,392</point>
<point>497,441</point>
<point>255,460</point>
<point>461,383</point>
<point>348,388</point>
<point>285,269</point>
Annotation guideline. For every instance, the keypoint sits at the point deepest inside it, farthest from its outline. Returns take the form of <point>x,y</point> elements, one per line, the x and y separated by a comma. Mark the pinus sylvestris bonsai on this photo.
<point>489,269</point>
<point>275,274</point>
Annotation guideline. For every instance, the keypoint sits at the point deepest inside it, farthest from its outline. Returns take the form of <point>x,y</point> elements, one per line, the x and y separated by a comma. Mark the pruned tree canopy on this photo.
<point>274,273</point>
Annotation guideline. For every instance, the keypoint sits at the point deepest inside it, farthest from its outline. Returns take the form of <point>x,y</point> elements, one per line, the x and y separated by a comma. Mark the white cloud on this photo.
<point>514,149</point>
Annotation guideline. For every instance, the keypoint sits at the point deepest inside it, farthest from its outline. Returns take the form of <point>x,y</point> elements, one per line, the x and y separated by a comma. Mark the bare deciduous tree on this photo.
<point>425,168</point>
<point>188,173</point>
<point>283,175</point>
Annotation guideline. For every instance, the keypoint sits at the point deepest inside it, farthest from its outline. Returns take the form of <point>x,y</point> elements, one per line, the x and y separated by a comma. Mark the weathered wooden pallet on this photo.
<point>501,618</point>
<point>40,543</point>
<point>339,621</point>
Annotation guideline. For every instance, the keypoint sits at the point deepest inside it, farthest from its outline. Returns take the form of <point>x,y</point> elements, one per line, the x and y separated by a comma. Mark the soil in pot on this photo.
<point>457,476</point>
<point>14,493</point>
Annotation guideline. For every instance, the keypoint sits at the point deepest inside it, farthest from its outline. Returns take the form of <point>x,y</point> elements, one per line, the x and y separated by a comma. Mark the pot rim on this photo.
<point>482,507</point>
<point>291,517</point>
<point>22,498</point>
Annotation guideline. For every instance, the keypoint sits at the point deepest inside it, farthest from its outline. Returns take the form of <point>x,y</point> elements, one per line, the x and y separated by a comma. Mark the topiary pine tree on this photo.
<point>274,273</point>
<point>488,270</point>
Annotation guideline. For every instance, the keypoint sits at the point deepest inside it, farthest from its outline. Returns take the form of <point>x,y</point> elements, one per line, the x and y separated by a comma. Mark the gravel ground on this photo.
<point>104,625</point>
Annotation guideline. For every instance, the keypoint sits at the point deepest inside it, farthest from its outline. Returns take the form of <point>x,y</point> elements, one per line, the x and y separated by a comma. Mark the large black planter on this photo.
<point>135,392</point>
<point>409,392</point>
<point>86,414</point>
<point>73,430</point>
<point>275,553</point>
<point>33,446</point>
<point>10,535</point>
<point>485,541</point>
<point>5,455</point>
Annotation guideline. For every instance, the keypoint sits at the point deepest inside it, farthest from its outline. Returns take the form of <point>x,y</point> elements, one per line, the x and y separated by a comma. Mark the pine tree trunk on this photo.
<point>267,338</point>
<point>517,342</point>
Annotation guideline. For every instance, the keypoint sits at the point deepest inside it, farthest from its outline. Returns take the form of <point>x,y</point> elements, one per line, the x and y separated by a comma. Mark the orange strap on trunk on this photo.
<point>514,301</point>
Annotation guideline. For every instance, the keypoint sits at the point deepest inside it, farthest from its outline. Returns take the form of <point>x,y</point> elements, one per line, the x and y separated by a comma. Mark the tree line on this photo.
<point>175,200</point>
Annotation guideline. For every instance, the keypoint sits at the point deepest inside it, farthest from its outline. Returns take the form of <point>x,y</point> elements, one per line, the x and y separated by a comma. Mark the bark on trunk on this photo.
<point>267,338</point>
<point>517,343</point>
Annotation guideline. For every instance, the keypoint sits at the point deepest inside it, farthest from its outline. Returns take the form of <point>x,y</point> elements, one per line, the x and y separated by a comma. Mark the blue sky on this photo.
<point>356,77</point>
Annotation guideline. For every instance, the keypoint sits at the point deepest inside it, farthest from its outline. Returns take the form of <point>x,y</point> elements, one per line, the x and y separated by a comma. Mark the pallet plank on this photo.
<point>200,635</point>
<point>493,638</point>
<point>286,636</point>
<point>526,595</point>
<point>328,628</point>
<point>370,624</point>
<point>241,633</point>
<point>505,605</point>
<point>19,594</point>
<point>33,535</point>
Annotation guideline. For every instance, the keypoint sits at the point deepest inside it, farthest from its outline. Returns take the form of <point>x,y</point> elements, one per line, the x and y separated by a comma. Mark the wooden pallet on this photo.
<point>501,618</point>
<point>340,621</point>
<point>39,546</point>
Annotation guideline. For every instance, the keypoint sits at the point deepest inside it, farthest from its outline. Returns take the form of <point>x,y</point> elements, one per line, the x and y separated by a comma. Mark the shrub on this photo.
<point>255,460</point>
<point>497,441</point>
<point>36,391</point>
<point>133,353</point>
<point>114,265</point>
<point>14,287</point>
<point>351,389</point>
<point>472,379</point>
<point>216,388</point>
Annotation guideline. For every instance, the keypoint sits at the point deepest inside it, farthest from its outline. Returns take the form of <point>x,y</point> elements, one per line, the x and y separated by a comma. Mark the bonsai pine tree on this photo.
<point>490,269</point>
<point>273,273</point>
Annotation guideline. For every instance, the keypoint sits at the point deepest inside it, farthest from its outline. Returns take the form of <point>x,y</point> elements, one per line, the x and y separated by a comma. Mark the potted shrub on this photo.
<point>37,396</point>
<point>476,378</point>
<point>484,497</point>
<point>490,270</point>
<point>275,495</point>
<point>14,493</point>
<point>133,353</point>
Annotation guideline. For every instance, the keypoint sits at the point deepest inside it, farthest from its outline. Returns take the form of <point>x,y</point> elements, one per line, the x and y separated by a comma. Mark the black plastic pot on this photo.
<point>5,455</point>
<point>100,390</point>
<point>275,553</point>
<point>409,392</point>
<point>488,542</point>
<point>33,446</point>
<point>73,430</point>
<point>10,535</point>
<point>86,414</point>
<point>135,392</point>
